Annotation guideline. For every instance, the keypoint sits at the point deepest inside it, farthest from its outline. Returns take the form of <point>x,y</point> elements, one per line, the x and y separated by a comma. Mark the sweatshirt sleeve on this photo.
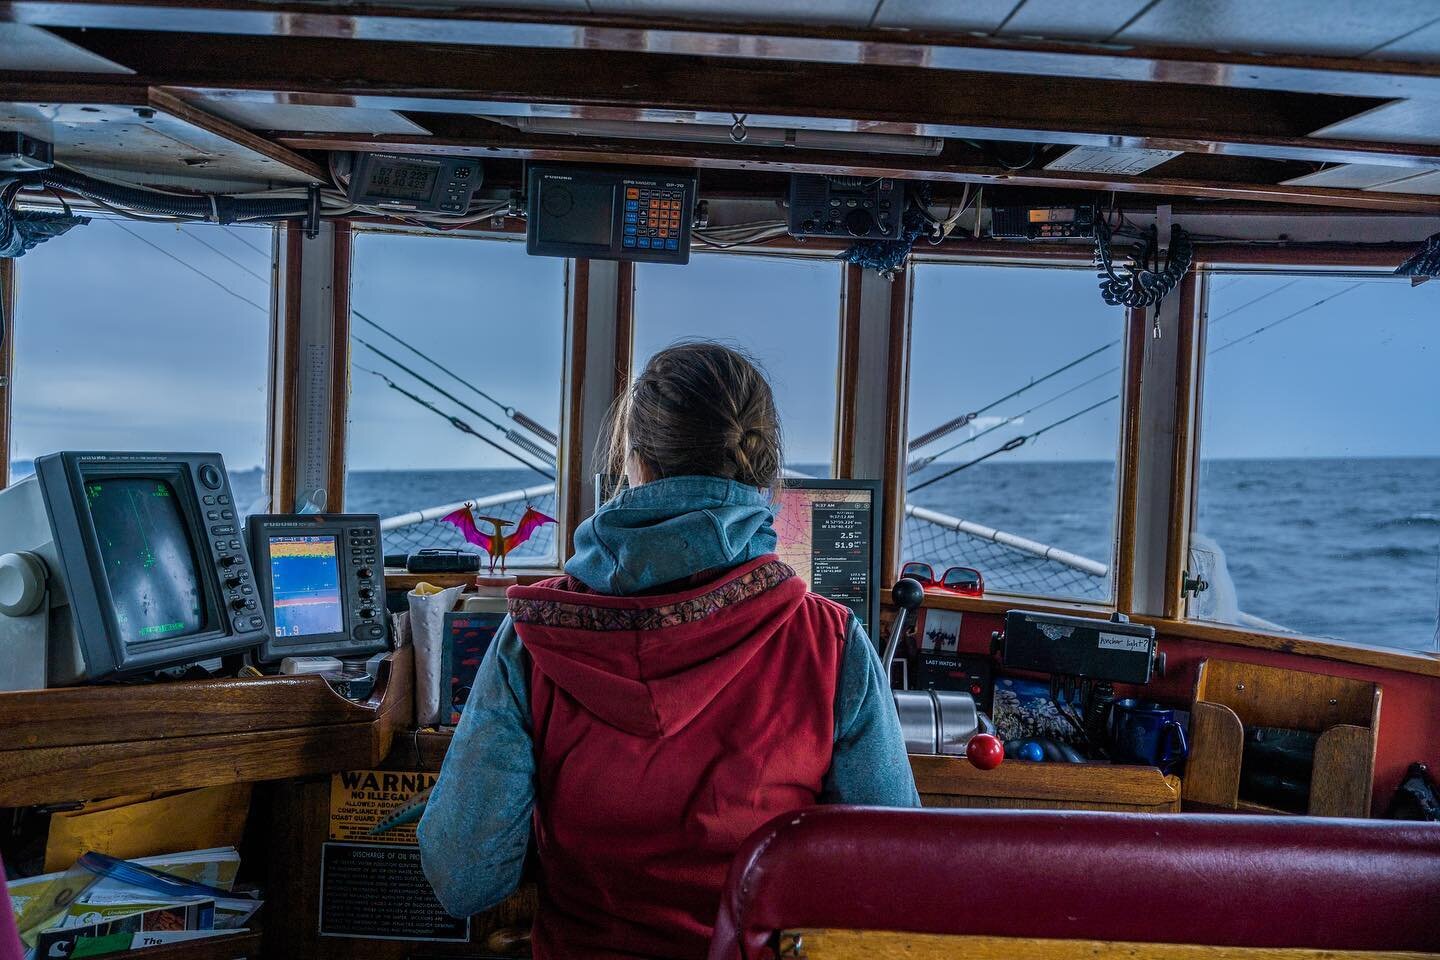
<point>869,765</point>
<point>476,826</point>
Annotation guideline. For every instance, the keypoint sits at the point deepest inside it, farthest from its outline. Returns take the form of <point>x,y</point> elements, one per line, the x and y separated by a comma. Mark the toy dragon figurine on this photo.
<point>497,542</point>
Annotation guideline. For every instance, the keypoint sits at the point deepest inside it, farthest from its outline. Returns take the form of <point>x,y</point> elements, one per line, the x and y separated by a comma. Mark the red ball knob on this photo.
<point>985,751</point>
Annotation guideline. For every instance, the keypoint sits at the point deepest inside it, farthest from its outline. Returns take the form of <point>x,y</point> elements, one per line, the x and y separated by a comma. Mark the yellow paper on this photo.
<point>143,826</point>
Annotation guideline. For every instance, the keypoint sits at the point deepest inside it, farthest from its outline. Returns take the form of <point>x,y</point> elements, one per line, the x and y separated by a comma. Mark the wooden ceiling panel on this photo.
<point>1403,121</point>
<point>269,115</point>
<point>1330,27</point>
<point>23,47</point>
<point>855,13</point>
<point>1069,19</point>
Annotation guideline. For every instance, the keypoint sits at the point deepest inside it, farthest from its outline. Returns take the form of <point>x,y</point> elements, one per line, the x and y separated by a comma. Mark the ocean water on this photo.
<point>1335,548</point>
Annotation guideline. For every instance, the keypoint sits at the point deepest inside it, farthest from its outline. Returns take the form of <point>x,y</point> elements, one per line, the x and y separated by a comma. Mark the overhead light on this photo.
<point>797,139</point>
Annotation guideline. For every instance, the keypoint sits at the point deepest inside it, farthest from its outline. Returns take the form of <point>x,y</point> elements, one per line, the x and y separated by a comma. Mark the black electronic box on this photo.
<point>967,673</point>
<point>1114,650</point>
<point>321,582</point>
<point>1042,223</point>
<point>868,208</point>
<point>421,184</point>
<point>609,214</point>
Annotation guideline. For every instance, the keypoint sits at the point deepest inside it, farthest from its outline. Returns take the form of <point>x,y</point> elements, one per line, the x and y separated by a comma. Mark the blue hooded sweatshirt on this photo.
<point>476,827</point>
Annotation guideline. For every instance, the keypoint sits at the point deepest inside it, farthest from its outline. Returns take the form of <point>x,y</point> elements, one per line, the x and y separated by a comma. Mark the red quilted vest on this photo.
<point>667,728</point>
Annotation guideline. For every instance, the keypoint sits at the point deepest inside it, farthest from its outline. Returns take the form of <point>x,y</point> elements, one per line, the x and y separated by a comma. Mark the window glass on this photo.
<point>1024,491</point>
<point>784,312</point>
<point>494,319</point>
<point>1318,502</point>
<point>146,337</point>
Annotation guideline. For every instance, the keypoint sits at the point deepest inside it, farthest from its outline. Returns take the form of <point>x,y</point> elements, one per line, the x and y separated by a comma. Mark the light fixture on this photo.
<point>794,138</point>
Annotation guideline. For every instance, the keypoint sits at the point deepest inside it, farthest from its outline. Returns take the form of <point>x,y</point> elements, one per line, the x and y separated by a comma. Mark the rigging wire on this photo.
<point>191,267</point>
<point>523,442</point>
<point>921,463</point>
<point>951,426</point>
<point>1014,443</point>
<point>205,243</point>
<point>455,422</point>
<point>516,415</point>
<point>1288,316</point>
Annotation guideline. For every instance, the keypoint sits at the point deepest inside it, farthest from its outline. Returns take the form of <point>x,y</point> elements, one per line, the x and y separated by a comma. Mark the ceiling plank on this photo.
<point>497,142</point>
<point>602,84</point>
<point>167,102</point>
<point>563,30</point>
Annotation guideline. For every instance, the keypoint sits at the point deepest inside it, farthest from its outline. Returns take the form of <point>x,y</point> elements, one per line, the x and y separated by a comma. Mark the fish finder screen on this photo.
<point>825,537</point>
<point>573,212</point>
<point>149,561</point>
<point>305,586</point>
<point>402,181</point>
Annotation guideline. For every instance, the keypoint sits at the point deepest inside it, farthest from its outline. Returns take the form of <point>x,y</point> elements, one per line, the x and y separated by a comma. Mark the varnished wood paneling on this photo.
<point>8,303</point>
<point>339,366</point>
<point>572,433</point>
<point>881,945</point>
<point>1212,771</point>
<point>897,423</point>
<point>848,373</point>
<point>1182,475</point>
<point>1137,332</point>
<point>954,782</point>
<point>624,327</point>
<point>1346,754</point>
<point>287,459</point>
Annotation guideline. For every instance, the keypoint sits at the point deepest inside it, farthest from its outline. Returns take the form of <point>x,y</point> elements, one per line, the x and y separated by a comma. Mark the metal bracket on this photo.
<point>1193,586</point>
<point>312,214</point>
<point>791,946</point>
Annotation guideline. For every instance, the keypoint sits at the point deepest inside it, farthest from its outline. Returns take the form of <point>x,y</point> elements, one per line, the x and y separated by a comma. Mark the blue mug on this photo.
<point>1146,733</point>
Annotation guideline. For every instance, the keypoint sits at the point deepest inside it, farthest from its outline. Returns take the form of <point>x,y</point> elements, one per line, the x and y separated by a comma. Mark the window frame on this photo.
<point>1223,260</point>
<point>570,462</point>
<point>1122,547</point>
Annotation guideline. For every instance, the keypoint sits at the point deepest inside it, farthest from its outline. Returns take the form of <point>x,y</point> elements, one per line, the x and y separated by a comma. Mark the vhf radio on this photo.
<point>865,208</point>
<point>1042,223</point>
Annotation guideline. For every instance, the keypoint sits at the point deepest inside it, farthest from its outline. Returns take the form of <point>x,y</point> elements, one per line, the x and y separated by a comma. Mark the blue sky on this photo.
<point>121,346</point>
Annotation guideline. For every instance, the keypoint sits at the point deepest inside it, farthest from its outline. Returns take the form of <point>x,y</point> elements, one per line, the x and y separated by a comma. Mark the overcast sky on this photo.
<point>121,346</point>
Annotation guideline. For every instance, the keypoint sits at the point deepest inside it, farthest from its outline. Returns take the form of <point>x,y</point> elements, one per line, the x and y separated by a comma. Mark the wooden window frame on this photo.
<point>9,301</point>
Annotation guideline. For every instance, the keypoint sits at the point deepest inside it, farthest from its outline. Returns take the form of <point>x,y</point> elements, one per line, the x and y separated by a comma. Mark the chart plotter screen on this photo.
<point>827,535</point>
<point>305,586</point>
<point>149,561</point>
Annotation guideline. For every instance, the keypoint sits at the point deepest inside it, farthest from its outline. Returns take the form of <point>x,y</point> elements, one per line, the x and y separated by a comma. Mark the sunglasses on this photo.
<point>965,581</point>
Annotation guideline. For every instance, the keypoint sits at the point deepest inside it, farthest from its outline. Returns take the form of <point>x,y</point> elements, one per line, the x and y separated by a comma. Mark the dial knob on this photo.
<point>367,594</point>
<point>229,561</point>
<point>231,583</point>
<point>858,222</point>
<point>366,613</point>
<point>364,572</point>
<point>237,604</point>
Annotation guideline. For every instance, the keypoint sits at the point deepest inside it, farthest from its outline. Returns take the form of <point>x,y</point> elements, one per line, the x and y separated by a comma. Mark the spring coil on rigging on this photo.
<point>1142,282</point>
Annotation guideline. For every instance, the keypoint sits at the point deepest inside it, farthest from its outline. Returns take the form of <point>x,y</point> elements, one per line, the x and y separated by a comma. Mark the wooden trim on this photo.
<point>897,423</point>
<point>835,944</point>
<point>516,146</point>
<point>624,328</point>
<point>1136,333</point>
<point>168,101</point>
<point>848,372</point>
<point>1181,476</point>
<point>1166,628</point>
<point>9,301</point>
<point>340,368</point>
<point>953,781</point>
<point>1303,256</point>
<point>288,463</point>
<point>573,429</point>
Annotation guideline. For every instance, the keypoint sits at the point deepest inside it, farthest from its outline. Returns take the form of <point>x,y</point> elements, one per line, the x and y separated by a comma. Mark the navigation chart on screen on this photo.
<point>825,537</point>
<point>305,579</point>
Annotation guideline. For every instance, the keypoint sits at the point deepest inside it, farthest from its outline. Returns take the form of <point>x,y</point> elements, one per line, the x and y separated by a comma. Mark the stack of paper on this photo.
<point>103,905</point>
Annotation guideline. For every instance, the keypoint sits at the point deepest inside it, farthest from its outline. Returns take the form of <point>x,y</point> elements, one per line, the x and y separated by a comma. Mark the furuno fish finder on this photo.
<point>321,583</point>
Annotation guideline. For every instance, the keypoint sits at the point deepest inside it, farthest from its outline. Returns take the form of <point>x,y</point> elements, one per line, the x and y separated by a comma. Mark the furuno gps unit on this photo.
<point>320,580</point>
<point>609,214</point>
<point>422,184</point>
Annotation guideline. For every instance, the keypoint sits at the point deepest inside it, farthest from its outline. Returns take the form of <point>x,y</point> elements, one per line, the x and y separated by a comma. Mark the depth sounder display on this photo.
<point>305,579</point>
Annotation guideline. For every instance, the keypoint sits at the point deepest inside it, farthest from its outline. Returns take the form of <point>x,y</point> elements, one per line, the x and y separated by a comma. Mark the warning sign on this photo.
<point>360,799</point>
<point>379,892</point>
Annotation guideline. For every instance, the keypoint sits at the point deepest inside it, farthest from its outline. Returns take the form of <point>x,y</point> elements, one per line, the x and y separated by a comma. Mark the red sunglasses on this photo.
<point>965,581</point>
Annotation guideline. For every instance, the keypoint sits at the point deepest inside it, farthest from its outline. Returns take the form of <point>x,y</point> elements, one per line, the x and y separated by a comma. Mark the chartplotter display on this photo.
<point>305,580</point>
<point>828,533</point>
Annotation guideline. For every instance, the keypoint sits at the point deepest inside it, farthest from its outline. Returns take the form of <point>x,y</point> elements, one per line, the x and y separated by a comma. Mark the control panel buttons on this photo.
<point>368,631</point>
<point>223,530</point>
<point>257,623</point>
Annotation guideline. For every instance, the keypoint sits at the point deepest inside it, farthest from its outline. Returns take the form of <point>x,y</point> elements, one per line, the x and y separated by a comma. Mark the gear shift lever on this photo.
<point>936,721</point>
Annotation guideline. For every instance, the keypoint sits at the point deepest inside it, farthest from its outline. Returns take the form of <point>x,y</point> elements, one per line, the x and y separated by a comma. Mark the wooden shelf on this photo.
<point>1016,784</point>
<point>79,743</point>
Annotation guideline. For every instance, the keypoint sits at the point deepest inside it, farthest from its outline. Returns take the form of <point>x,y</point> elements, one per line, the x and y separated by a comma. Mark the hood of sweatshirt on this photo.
<point>649,662</point>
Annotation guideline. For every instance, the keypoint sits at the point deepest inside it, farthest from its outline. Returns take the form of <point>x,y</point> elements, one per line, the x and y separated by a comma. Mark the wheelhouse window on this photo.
<point>456,359</point>
<point>1318,493</point>
<point>782,311</point>
<point>1014,429</point>
<point>133,336</point>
